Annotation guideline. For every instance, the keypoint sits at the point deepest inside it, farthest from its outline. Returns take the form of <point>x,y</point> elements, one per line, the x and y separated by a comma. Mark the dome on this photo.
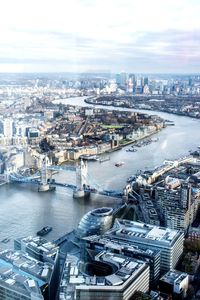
<point>97,221</point>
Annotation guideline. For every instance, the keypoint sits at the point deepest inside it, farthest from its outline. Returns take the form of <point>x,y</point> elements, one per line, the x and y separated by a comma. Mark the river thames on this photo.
<point>24,211</point>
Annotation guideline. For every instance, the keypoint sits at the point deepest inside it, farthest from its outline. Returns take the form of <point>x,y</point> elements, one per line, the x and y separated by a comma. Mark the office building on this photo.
<point>44,251</point>
<point>121,79</point>
<point>92,245</point>
<point>32,269</point>
<point>97,221</point>
<point>16,286</point>
<point>169,242</point>
<point>176,205</point>
<point>109,276</point>
<point>38,248</point>
<point>174,283</point>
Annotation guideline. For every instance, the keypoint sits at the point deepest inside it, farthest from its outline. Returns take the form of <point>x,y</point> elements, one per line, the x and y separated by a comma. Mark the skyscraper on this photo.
<point>121,79</point>
<point>8,128</point>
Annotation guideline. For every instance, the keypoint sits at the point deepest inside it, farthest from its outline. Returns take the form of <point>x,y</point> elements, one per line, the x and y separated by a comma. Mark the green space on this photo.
<point>130,214</point>
<point>126,212</point>
<point>192,246</point>
<point>114,126</point>
<point>125,142</point>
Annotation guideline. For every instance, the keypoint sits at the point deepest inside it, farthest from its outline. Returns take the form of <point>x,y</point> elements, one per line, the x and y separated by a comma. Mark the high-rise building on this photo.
<point>44,251</point>
<point>8,128</point>
<point>132,78</point>
<point>176,205</point>
<point>168,241</point>
<point>131,82</point>
<point>118,79</point>
<point>145,81</point>
<point>121,79</point>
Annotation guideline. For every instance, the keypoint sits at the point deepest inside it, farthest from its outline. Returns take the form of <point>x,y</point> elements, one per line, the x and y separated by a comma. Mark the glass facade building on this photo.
<point>97,221</point>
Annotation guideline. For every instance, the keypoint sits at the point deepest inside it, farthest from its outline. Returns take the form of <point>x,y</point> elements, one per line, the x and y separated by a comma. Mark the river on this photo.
<point>24,211</point>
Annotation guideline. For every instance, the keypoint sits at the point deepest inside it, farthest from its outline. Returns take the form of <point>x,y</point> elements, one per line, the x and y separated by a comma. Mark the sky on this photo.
<point>143,36</point>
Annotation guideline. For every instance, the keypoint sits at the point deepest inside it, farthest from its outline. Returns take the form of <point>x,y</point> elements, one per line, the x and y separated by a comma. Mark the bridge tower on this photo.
<point>81,181</point>
<point>44,185</point>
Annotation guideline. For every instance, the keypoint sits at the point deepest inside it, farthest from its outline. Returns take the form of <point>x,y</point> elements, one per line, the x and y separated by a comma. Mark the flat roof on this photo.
<point>10,278</point>
<point>174,276</point>
<point>40,244</point>
<point>140,231</point>
<point>127,271</point>
<point>26,265</point>
<point>111,242</point>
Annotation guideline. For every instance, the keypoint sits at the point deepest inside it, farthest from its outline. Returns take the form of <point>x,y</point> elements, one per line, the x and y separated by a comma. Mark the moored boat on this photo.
<point>103,159</point>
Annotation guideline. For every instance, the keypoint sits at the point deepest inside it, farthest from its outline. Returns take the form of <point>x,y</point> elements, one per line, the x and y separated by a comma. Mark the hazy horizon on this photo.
<point>83,36</point>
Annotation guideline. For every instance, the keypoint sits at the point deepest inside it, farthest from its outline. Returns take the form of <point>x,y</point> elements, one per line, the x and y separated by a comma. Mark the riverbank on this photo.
<point>140,138</point>
<point>183,114</point>
<point>123,144</point>
<point>60,211</point>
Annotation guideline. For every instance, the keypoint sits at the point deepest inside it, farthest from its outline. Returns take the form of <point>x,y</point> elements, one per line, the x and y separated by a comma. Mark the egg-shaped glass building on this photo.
<point>97,221</point>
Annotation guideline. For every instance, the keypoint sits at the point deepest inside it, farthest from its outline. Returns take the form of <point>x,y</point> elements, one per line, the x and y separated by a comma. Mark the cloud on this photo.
<point>122,34</point>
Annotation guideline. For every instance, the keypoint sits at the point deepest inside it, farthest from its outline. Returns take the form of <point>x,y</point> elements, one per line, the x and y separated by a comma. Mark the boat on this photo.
<point>104,159</point>
<point>44,230</point>
<point>131,150</point>
<point>89,157</point>
<point>119,164</point>
<point>169,123</point>
<point>155,139</point>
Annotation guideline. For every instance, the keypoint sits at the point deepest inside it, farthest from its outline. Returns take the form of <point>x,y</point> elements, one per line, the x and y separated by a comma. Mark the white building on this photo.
<point>8,128</point>
<point>168,241</point>
<point>121,277</point>
<point>174,282</point>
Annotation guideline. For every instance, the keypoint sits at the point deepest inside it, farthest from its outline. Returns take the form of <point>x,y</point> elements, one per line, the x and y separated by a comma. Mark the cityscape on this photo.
<point>100,150</point>
<point>136,240</point>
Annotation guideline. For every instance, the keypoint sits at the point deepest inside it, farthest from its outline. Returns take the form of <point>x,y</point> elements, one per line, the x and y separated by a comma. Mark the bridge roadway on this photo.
<point>16,177</point>
<point>64,168</point>
<point>110,193</point>
<point>20,179</point>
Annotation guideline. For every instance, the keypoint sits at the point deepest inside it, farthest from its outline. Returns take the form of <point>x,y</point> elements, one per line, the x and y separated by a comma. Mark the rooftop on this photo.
<point>174,277</point>
<point>104,211</point>
<point>40,244</point>
<point>110,243</point>
<point>26,265</point>
<point>9,278</point>
<point>125,271</point>
<point>139,231</point>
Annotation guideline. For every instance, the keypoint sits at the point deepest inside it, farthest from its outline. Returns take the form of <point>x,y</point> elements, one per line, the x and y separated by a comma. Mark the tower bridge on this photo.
<point>84,186</point>
<point>81,189</point>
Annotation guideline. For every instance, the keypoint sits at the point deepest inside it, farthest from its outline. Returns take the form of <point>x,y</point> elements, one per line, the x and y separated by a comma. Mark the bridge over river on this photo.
<point>82,189</point>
